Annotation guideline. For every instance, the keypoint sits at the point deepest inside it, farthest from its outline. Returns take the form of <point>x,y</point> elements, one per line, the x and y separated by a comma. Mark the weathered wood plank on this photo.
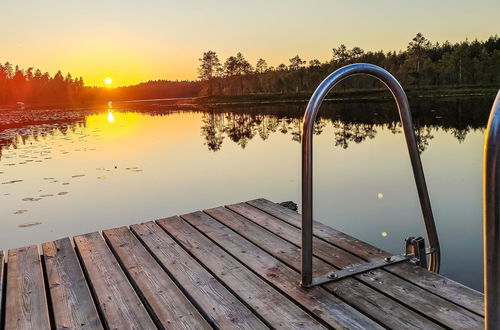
<point>72,303</point>
<point>219,305</point>
<point>276,309</point>
<point>117,300</point>
<point>326,306</point>
<point>338,238</point>
<point>384,309</point>
<point>26,304</point>
<point>290,233</point>
<point>442,286</point>
<point>234,267</point>
<point>429,304</point>
<point>452,291</point>
<point>165,300</point>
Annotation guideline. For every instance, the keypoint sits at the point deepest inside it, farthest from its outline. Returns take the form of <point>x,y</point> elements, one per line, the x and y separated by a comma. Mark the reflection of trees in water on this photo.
<point>349,122</point>
<point>460,134</point>
<point>14,137</point>
<point>395,127</point>
<point>267,125</point>
<point>423,134</point>
<point>212,130</point>
<point>296,128</point>
<point>344,133</point>
<point>284,126</point>
<point>319,126</point>
<point>241,128</point>
<point>19,126</point>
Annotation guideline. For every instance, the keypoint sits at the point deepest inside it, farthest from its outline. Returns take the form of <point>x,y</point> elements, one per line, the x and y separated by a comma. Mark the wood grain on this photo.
<point>435,283</point>
<point>217,303</point>
<point>370,301</point>
<point>163,297</point>
<point>117,300</point>
<point>318,301</point>
<point>276,309</point>
<point>329,234</point>
<point>441,286</point>
<point>26,304</point>
<point>72,303</point>
<point>433,306</point>
<point>233,267</point>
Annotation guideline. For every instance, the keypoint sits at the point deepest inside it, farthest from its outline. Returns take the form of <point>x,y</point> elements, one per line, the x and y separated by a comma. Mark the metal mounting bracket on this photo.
<point>416,247</point>
<point>416,253</point>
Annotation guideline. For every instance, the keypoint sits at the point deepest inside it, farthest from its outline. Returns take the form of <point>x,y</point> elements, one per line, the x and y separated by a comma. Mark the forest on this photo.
<point>31,86</point>
<point>423,64</point>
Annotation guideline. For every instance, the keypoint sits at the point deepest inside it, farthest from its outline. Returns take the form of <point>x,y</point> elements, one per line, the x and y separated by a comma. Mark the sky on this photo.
<point>133,41</point>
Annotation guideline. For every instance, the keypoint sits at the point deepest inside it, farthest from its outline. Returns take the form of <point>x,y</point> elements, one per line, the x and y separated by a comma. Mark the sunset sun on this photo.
<point>108,81</point>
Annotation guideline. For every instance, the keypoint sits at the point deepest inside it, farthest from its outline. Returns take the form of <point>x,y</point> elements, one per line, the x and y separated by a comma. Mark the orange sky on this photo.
<point>132,41</point>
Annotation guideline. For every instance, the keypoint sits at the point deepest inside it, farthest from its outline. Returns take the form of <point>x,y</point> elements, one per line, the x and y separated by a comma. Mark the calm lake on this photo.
<point>71,171</point>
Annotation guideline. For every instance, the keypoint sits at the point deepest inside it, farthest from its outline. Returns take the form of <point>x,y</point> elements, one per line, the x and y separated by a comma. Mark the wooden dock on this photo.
<point>232,267</point>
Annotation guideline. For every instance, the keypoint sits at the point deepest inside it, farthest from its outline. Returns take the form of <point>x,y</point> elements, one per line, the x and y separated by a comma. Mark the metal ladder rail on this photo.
<point>307,162</point>
<point>491,219</point>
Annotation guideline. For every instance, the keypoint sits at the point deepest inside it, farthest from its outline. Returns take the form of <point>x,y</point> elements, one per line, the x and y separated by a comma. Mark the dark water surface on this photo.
<point>66,172</point>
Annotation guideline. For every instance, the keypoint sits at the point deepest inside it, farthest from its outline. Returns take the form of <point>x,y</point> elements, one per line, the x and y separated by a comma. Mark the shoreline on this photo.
<point>338,96</point>
<point>372,95</point>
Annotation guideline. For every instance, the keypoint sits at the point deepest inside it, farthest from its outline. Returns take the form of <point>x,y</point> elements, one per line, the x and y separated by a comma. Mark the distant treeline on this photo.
<point>33,86</point>
<point>155,90</point>
<point>422,64</point>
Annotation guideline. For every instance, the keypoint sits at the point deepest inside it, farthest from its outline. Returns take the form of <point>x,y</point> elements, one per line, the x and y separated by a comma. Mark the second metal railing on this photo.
<point>491,222</point>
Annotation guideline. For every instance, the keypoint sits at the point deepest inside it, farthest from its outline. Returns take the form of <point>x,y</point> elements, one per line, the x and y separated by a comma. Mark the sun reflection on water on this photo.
<point>111,117</point>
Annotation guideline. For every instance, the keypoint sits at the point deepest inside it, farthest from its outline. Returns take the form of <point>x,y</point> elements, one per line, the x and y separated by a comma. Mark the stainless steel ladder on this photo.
<point>307,173</point>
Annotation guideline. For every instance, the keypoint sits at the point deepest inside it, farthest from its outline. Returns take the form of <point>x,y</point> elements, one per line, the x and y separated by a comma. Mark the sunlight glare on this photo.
<point>111,118</point>
<point>108,81</point>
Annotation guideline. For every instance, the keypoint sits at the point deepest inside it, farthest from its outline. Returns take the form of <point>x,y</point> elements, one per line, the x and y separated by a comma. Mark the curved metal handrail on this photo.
<point>307,173</point>
<point>491,218</point>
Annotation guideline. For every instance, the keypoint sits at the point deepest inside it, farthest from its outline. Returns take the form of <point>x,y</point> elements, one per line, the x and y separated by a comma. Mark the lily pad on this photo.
<point>13,181</point>
<point>29,224</point>
<point>31,199</point>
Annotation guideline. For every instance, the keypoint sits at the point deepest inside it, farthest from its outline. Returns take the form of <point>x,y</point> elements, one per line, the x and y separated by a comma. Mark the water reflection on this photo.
<point>111,118</point>
<point>351,122</point>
